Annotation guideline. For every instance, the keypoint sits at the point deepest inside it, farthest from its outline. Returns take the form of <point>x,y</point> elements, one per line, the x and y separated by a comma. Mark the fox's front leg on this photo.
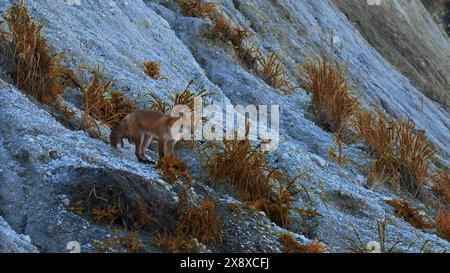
<point>161,144</point>
<point>169,147</point>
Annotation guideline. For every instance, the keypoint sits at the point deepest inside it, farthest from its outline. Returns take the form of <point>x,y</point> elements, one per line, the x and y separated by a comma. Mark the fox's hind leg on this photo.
<point>145,144</point>
<point>138,141</point>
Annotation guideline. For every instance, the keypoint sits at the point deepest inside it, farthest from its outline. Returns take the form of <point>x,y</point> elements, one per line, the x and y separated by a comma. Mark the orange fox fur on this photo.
<point>142,126</point>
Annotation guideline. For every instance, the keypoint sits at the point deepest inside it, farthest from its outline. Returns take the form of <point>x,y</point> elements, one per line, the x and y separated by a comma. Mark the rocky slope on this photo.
<point>407,35</point>
<point>38,154</point>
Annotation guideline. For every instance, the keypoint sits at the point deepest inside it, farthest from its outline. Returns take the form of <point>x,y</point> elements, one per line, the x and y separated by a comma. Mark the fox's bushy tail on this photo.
<point>118,132</point>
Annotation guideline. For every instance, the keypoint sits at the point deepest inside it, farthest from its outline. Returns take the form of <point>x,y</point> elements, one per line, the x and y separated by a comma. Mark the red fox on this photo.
<point>143,125</point>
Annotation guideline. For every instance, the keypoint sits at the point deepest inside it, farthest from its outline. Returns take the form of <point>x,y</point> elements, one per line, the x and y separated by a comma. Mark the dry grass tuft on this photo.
<point>173,169</point>
<point>200,222</point>
<point>336,153</point>
<point>224,31</point>
<point>38,71</point>
<point>194,223</point>
<point>101,103</point>
<point>248,56</point>
<point>260,187</point>
<point>109,213</point>
<point>196,8</point>
<point>326,81</point>
<point>277,208</point>
<point>187,97</point>
<point>152,69</point>
<point>129,241</point>
<point>411,215</point>
<point>235,208</point>
<point>291,245</point>
<point>244,166</point>
<point>443,224</point>
<point>172,243</point>
<point>273,72</point>
<point>402,155</point>
<point>441,183</point>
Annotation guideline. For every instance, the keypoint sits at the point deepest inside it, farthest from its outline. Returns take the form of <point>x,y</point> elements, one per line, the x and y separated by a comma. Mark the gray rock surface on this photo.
<point>405,33</point>
<point>121,35</point>
<point>11,242</point>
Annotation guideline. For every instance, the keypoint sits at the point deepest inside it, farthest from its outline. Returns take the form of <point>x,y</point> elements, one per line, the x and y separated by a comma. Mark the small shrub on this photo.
<point>38,71</point>
<point>441,183</point>
<point>326,81</point>
<point>152,69</point>
<point>200,222</point>
<point>443,224</point>
<point>273,72</point>
<point>291,245</point>
<point>402,155</point>
<point>173,169</point>
<point>411,215</point>
<point>196,8</point>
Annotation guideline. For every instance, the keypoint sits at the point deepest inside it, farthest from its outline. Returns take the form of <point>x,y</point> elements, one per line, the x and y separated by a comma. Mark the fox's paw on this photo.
<point>146,161</point>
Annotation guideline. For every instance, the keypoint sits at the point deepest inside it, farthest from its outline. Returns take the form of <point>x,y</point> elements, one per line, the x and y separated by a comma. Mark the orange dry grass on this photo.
<point>38,70</point>
<point>278,206</point>
<point>187,98</point>
<point>172,243</point>
<point>326,81</point>
<point>291,245</point>
<point>244,166</point>
<point>152,69</point>
<point>401,155</point>
<point>173,168</point>
<point>443,224</point>
<point>273,72</point>
<point>336,153</point>
<point>247,55</point>
<point>200,222</point>
<point>195,8</point>
<point>224,31</point>
<point>103,104</point>
<point>409,214</point>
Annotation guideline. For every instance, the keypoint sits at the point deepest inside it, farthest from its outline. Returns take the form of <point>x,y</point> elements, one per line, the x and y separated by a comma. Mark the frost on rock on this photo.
<point>36,148</point>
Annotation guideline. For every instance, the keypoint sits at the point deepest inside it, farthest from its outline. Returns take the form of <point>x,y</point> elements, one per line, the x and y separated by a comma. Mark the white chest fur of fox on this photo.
<point>144,125</point>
